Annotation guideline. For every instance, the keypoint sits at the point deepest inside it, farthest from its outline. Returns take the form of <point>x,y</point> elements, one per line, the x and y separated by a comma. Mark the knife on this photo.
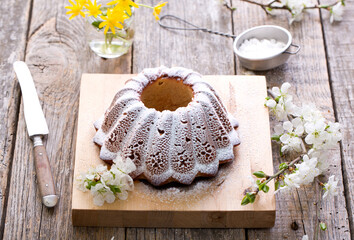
<point>37,128</point>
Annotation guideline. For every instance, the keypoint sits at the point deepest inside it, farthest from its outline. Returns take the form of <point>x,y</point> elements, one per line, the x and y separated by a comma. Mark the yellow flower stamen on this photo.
<point>157,9</point>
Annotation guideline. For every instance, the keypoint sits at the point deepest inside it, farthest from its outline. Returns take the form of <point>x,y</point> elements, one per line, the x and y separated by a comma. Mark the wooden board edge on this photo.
<point>177,219</point>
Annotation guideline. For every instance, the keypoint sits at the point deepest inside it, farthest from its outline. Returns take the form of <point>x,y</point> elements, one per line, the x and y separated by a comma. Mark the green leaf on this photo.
<point>251,197</point>
<point>96,24</point>
<point>91,183</point>
<point>283,166</point>
<point>258,182</point>
<point>260,174</point>
<point>277,185</point>
<point>323,226</point>
<point>245,201</point>
<point>265,188</point>
<point>276,138</point>
<point>115,189</point>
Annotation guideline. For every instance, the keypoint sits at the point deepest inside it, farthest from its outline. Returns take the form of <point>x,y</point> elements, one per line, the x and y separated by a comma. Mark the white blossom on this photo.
<point>337,12</point>
<point>309,113</point>
<point>289,134</point>
<point>291,138</point>
<point>282,105</point>
<point>297,8</point>
<point>102,193</point>
<point>334,135</point>
<point>316,134</point>
<point>124,164</point>
<point>271,103</point>
<point>308,170</point>
<point>330,187</point>
<point>322,158</point>
<point>282,91</point>
<point>304,174</point>
<point>305,237</point>
<point>81,183</point>
<point>107,185</point>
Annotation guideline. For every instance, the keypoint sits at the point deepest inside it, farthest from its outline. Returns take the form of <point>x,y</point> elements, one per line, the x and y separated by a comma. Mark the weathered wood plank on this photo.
<point>307,72</point>
<point>340,51</point>
<point>202,52</point>
<point>57,55</point>
<point>13,34</point>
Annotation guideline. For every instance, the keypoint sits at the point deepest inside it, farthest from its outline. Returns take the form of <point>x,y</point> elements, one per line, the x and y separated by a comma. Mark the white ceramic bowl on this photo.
<point>266,32</point>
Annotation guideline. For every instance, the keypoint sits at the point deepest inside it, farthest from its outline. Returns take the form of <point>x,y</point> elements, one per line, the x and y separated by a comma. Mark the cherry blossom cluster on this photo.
<point>303,128</point>
<point>106,185</point>
<point>298,7</point>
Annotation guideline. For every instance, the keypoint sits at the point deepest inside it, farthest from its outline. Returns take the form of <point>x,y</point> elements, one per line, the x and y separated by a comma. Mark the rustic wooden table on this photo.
<point>40,33</point>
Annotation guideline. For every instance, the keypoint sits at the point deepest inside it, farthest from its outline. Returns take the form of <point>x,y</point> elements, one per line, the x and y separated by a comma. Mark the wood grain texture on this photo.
<point>155,47</point>
<point>57,55</point>
<point>13,33</point>
<point>340,52</point>
<point>216,207</point>
<point>202,52</point>
<point>307,72</point>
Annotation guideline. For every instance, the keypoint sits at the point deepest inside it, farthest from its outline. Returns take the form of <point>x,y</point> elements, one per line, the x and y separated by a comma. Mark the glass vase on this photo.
<point>110,45</point>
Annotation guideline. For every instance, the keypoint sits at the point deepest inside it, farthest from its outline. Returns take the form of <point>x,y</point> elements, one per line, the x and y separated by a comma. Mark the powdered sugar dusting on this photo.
<point>168,146</point>
<point>179,195</point>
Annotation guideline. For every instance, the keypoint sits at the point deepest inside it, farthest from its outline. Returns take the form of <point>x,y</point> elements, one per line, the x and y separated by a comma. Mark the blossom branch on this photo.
<point>286,7</point>
<point>297,7</point>
<point>302,128</point>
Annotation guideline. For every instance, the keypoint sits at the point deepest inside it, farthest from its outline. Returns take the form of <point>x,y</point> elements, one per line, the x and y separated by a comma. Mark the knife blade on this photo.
<point>37,127</point>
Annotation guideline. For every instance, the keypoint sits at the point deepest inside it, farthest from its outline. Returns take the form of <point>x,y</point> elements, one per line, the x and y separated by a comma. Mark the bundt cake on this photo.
<point>171,124</point>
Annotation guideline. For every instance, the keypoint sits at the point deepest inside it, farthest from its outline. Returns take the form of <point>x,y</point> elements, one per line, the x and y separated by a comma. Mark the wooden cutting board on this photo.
<point>208,203</point>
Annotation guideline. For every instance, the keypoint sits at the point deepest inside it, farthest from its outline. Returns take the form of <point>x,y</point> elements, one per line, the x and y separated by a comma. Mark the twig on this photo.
<point>318,206</point>
<point>285,7</point>
<point>270,178</point>
<point>228,6</point>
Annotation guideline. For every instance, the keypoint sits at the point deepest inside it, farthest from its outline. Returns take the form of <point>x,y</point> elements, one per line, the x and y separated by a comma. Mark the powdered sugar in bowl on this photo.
<point>264,47</point>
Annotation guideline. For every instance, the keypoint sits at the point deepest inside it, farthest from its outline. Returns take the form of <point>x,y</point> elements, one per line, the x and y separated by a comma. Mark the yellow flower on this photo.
<point>82,2</point>
<point>125,5</point>
<point>76,9</point>
<point>157,10</point>
<point>115,17</point>
<point>93,9</point>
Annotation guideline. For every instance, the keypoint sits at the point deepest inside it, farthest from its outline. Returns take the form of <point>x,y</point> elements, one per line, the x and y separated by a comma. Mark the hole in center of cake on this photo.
<point>167,93</point>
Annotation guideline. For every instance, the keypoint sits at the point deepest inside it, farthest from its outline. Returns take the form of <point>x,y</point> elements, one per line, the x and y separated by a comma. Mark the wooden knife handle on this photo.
<point>44,176</point>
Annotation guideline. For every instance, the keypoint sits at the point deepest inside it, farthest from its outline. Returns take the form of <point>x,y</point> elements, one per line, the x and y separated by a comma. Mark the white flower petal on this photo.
<point>271,103</point>
<point>276,91</point>
<point>288,126</point>
<point>278,129</point>
<point>285,87</point>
